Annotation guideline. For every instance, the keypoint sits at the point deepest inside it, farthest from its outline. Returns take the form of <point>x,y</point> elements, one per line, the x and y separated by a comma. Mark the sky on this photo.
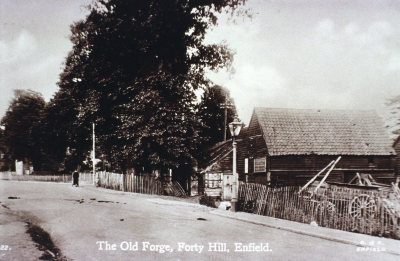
<point>314,54</point>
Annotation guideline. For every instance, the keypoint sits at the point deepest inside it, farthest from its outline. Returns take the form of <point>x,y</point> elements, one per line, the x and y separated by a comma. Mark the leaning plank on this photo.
<point>326,175</point>
<point>315,177</point>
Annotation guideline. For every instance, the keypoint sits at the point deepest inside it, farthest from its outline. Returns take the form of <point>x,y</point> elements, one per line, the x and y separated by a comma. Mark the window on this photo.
<point>260,165</point>
<point>371,161</point>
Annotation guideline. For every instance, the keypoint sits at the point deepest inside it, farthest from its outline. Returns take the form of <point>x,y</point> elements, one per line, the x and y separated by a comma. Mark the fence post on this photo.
<point>382,212</point>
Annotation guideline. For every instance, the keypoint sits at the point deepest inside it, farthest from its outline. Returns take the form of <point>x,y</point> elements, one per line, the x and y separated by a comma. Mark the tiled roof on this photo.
<point>243,133</point>
<point>216,153</point>
<point>323,132</point>
<point>220,151</point>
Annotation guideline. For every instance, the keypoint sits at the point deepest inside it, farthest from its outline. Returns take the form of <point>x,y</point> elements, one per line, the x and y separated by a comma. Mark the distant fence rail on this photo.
<point>6,175</point>
<point>109,180</point>
<point>355,210</point>
<point>62,178</point>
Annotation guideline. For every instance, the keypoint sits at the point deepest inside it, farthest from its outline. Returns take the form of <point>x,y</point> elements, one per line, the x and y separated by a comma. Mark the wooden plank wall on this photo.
<point>316,162</point>
<point>296,170</point>
<point>225,165</point>
<point>397,160</point>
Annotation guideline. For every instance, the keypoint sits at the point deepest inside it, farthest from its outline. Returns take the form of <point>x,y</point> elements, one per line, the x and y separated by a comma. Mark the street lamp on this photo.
<point>234,128</point>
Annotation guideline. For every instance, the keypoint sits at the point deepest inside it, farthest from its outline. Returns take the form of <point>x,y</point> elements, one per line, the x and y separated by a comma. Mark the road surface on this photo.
<point>88,223</point>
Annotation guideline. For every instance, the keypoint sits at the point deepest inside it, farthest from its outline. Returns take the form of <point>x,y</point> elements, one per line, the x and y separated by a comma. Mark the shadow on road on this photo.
<point>44,243</point>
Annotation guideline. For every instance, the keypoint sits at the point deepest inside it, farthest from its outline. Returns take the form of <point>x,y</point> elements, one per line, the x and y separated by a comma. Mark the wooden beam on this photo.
<point>316,176</point>
<point>359,179</point>
<point>353,178</point>
<point>326,175</point>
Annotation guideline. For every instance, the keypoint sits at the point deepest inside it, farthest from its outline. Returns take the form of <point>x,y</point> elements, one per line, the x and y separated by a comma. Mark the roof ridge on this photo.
<point>312,109</point>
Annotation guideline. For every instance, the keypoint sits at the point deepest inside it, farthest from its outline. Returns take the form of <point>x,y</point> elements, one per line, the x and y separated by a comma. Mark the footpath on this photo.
<point>363,242</point>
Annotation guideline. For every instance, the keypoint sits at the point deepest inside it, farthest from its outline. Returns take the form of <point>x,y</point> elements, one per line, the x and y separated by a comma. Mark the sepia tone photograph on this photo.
<point>199,130</point>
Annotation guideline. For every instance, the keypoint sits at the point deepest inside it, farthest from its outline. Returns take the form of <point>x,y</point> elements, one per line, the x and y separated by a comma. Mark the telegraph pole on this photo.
<point>225,106</point>
<point>94,157</point>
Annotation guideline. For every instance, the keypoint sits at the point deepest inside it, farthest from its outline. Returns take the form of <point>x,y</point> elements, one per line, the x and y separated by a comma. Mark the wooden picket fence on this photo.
<point>110,180</point>
<point>139,184</point>
<point>129,183</point>
<point>87,178</point>
<point>142,184</point>
<point>349,209</point>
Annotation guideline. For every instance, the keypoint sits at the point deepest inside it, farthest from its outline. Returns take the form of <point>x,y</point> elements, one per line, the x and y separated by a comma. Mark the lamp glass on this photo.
<point>235,127</point>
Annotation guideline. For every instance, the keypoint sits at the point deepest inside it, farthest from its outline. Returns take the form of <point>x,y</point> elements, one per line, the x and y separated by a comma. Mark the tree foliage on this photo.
<point>5,162</point>
<point>211,112</point>
<point>23,122</point>
<point>68,140</point>
<point>133,71</point>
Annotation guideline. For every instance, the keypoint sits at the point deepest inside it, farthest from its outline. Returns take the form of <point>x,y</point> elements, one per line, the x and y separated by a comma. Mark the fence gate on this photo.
<point>227,187</point>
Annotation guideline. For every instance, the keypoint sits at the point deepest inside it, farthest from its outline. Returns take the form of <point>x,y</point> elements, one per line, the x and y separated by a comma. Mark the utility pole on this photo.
<point>94,157</point>
<point>225,106</point>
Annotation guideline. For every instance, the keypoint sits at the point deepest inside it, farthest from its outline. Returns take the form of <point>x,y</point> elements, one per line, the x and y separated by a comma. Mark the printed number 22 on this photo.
<point>4,247</point>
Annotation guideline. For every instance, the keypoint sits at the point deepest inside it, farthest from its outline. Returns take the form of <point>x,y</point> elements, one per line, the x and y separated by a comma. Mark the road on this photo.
<point>89,223</point>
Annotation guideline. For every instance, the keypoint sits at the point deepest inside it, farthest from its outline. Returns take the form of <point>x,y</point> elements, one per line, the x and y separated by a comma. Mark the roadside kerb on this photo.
<point>176,202</point>
<point>391,245</point>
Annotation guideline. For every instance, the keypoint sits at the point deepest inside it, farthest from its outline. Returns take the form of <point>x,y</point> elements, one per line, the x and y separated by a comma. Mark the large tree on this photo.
<point>133,71</point>
<point>24,127</point>
<point>214,103</point>
<point>68,140</point>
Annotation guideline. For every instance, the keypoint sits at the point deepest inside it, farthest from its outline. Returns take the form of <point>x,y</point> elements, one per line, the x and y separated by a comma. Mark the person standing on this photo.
<point>75,178</point>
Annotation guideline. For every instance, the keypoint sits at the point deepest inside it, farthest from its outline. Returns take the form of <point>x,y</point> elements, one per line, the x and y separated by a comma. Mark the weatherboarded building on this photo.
<point>396,146</point>
<point>216,168</point>
<point>290,146</point>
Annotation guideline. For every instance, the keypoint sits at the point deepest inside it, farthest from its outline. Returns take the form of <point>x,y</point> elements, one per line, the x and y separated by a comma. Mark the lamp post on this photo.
<point>234,128</point>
